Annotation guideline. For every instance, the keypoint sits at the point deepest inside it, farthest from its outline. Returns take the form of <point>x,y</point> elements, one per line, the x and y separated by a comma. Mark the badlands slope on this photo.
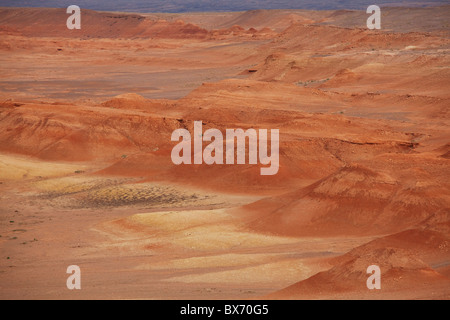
<point>86,177</point>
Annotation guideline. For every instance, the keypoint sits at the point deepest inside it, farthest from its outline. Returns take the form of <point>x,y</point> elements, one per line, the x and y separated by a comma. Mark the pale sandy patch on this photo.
<point>17,168</point>
<point>200,230</point>
<point>282,272</point>
<point>214,261</point>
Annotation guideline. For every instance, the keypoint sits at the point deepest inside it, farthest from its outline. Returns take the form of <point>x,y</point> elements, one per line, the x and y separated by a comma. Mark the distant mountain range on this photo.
<point>174,6</point>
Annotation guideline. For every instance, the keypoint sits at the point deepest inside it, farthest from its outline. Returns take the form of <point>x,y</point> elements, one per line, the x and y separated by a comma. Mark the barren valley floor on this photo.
<point>86,176</point>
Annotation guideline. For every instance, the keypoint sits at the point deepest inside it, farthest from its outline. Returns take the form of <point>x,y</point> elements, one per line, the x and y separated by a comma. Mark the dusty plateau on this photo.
<point>86,176</point>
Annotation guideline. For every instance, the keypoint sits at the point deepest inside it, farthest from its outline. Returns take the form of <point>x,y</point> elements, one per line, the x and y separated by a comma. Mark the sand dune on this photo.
<point>353,200</point>
<point>408,260</point>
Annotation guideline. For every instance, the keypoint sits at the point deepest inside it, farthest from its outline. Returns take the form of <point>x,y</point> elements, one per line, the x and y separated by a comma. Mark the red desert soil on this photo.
<point>86,176</point>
